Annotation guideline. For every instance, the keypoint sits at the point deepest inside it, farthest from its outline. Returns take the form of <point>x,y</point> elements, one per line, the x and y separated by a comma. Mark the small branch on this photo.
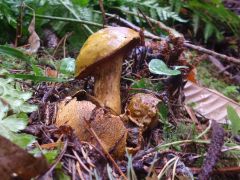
<point>181,142</point>
<point>146,19</point>
<point>57,160</point>
<point>186,44</point>
<point>212,53</point>
<point>103,12</point>
<point>205,131</point>
<point>66,19</point>
<point>223,170</point>
<point>92,132</point>
<point>130,25</point>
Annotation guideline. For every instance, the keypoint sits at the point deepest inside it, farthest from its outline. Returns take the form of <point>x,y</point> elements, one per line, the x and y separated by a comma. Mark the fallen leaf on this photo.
<point>33,40</point>
<point>51,72</point>
<point>109,128</point>
<point>17,163</point>
<point>209,103</point>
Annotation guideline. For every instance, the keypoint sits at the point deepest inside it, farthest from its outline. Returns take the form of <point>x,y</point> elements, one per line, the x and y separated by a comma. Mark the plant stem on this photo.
<point>181,142</point>
<point>77,17</point>
<point>66,19</point>
<point>205,131</point>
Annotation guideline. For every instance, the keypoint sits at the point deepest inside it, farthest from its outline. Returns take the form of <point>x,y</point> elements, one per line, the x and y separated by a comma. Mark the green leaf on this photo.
<point>235,120</point>
<point>142,83</point>
<point>163,111</point>
<point>36,78</point>
<point>208,31</point>
<point>23,140</point>
<point>67,66</point>
<point>15,53</point>
<point>37,70</point>
<point>157,66</point>
<point>14,123</point>
<point>50,155</point>
<point>195,24</point>
<point>81,2</point>
<point>14,101</point>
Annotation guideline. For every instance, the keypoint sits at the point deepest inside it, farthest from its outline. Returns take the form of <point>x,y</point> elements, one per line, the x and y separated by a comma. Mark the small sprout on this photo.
<point>157,66</point>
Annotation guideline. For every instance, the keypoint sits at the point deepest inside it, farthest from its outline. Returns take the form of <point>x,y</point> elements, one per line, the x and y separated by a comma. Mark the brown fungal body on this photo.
<point>102,56</point>
<point>142,110</point>
<point>109,128</point>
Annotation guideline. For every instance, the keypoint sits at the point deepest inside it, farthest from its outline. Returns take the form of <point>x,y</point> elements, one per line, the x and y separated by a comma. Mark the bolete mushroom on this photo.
<point>102,56</point>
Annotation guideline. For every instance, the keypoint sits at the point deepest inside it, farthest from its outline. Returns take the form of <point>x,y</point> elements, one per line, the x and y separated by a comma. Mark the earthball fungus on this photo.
<point>102,56</point>
<point>109,128</point>
<point>142,110</point>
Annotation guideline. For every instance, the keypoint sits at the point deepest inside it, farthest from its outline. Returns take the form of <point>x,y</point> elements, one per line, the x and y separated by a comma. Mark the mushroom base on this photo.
<point>107,82</point>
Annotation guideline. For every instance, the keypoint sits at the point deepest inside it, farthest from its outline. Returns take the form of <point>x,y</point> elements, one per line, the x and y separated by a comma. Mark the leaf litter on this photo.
<point>162,152</point>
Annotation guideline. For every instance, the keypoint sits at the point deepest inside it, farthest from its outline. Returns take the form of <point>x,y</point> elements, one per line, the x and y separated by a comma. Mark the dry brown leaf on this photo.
<point>33,40</point>
<point>209,103</point>
<point>16,163</point>
<point>109,128</point>
<point>51,72</point>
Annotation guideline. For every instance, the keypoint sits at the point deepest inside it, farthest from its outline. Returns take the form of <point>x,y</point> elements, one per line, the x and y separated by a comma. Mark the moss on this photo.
<point>207,76</point>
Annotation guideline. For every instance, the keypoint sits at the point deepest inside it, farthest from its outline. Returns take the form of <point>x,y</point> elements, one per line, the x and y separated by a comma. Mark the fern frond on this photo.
<point>153,9</point>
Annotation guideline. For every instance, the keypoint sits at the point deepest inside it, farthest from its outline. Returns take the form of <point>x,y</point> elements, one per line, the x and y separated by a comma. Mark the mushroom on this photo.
<point>142,110</point>
<point>102,56</point>
<point>109,128</point>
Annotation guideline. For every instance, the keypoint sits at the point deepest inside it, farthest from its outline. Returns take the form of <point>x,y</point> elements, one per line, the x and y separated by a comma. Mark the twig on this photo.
<point>73,170</point>
<point>146,19</point>
<point>92,132</point>
<point>64,43</point>
<point>131,25</point>
<point>159,147</point>
<point>194,118</point>
<point>212,53</point>
<point>81,163</point>
<point>58,159</point>
<point>103,12</point>
<point>181,142</point>
<point>174,168</point>
<point>219,66</point>
<point>66,19</point>
<point>205,131</point>
<point>220,170</point>
<point>186,44</point>
<point>79,171</point>
<point>19,24</point>
<point>169,163</point>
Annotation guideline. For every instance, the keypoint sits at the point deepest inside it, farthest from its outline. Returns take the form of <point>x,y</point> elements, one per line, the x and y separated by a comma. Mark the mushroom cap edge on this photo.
<point>103,44</point>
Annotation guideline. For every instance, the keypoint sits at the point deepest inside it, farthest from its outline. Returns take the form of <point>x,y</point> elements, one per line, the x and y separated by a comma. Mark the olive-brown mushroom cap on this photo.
<point>103,44</point>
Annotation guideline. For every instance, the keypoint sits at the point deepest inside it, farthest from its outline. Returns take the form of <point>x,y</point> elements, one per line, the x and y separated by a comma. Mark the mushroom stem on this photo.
<point>107,82</point>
